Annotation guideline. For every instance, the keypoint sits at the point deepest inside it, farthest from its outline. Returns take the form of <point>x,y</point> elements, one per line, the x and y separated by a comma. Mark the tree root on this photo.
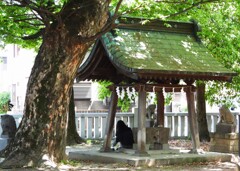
<point>74,139</point>
<point>21,160</point>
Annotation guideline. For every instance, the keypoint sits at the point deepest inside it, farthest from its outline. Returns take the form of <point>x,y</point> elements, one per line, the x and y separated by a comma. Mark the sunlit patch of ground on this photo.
<point>210,166</point>
<point>180,144</point>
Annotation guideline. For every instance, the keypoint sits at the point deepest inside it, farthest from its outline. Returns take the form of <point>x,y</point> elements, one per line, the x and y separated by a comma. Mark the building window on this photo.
<point>3,60</point>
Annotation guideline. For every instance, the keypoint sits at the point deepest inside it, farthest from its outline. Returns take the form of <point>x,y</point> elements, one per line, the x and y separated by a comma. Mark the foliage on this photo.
<point>168,97</point>
<point>4,99</point>
<point>153,9</point>
<point>104,92</point>
<point>70,162</point>
<point>15,25</point>
<point>220,33</point>
<point>124,103</point>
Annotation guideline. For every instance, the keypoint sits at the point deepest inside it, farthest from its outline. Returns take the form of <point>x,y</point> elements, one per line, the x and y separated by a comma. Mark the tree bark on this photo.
<point>201,113</point>
<point>72,134</point>
<point>41,136</point>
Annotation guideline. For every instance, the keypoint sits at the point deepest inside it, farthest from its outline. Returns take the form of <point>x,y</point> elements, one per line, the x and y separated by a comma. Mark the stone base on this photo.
<point>158,146</point>
<point>156,138</point>
<point>141,154</point>
<point>224,128</point>
<point>154,146</point>
<point>226,143</point>
<point>147,146</point>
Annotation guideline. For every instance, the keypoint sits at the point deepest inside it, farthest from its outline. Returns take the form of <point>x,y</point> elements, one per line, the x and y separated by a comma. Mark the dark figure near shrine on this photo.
<point>124,135</point>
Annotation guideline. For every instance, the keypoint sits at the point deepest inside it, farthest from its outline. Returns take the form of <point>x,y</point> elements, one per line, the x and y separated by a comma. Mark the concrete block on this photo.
<point>224,128</point>
<point>227,143</point>
<point>154,135</point>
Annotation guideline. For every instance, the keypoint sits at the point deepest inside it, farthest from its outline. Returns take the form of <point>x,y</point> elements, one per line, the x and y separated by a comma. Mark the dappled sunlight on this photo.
<point>119,39</point>
<point>177,60</point>
<point>142,66</point>
<point>187,45</point>
<point>194,53</point>
<point>158,159</point>
<point>159,64</point>
<point>141,56</point>
<point>160,51</point>
<point>142,46</point>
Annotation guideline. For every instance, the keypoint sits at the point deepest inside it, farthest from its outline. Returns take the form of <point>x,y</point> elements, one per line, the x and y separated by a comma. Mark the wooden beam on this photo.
<point>110,122</point>
<point>192,121</point>
<point>160,108</point>
<point>141,134</point>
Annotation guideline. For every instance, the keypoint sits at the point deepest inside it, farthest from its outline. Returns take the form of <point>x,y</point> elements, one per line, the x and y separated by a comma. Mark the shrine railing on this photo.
<point>93,125</point>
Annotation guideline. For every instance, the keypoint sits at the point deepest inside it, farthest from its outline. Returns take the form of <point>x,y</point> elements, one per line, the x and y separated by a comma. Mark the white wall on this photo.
<point>15,78</point>
<point>4,78</point>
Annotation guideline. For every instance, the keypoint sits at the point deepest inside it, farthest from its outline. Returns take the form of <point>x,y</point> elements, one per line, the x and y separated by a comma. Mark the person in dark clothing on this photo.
<point>124,135</point>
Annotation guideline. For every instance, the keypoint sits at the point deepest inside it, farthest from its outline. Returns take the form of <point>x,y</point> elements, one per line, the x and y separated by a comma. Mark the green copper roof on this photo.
<point>159,51</point>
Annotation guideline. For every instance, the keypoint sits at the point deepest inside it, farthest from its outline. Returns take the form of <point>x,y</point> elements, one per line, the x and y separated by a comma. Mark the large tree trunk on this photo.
<point>201,113</point>
<point>41,136</point>
<point>72,134</point>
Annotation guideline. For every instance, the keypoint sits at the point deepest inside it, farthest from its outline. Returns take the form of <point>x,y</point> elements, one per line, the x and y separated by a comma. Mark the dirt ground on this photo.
<point>89,166</point>
<point>183,144</point>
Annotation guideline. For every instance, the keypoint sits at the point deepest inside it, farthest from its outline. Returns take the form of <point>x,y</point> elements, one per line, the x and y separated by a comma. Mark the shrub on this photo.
<point>4,102</point>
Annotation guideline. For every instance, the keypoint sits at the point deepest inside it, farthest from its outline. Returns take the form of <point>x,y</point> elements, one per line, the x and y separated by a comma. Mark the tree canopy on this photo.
<point>220,33</point>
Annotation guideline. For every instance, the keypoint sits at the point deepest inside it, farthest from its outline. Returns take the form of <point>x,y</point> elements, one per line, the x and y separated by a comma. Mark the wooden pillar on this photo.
<point>160,108</point>
<point>141,134</point>
<point>110,122</point>
<point>192,120</point>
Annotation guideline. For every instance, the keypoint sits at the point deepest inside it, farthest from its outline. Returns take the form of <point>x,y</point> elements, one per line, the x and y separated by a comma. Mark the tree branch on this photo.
<point>189,8</point>
<point>117,8</point>
<point>43,12</point>
<point>172,2</point>
<point>34,36</point>
<point>106,28</point>
<point>25,19</point>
